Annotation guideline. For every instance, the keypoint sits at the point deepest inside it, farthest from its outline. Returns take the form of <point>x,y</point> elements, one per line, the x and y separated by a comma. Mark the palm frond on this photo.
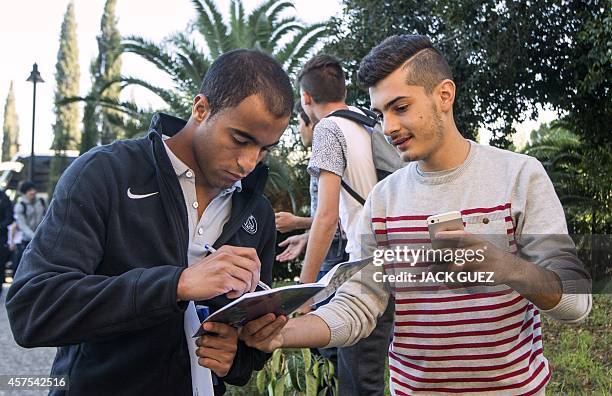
<point>194,63</point>
<point>297,49</point>
<point>276,9</point>
<point>262,34</point>
<point>565,158</point>
<point>177,103</point>
<point>133,127</point>
<point>125,107</point>
<point>237,23</point>
<point>280,181</point>
<point>220,28</point>
<point>207,28</point>
<point>156,54</point>
<point>258,17</point>
<point>284,27</point>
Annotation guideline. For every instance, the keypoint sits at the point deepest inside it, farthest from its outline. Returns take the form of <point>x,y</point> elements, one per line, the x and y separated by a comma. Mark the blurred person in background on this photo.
<point>28,212</point>
<point>287,222</point>
<point>6,218</point>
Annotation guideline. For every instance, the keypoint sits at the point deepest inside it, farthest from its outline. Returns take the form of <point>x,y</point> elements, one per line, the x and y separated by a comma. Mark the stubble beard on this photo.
<point>433,136</point>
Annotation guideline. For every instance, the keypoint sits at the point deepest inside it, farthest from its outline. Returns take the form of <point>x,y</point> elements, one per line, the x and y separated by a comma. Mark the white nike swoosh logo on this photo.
<point>138,196</point>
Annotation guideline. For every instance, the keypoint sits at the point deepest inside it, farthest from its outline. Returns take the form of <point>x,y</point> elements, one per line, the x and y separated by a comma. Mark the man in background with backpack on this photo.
<point>343,163</point>
<point>287,222</point>
<point>296,244</point>
<point>29,212</point>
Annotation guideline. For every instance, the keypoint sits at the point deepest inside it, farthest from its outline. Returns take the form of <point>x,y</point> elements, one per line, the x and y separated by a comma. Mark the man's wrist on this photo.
<point>182,286</point>
<point>539,285</point>
<point>307,331</point>
<point>305,222</point>
<point>510,270</point>
<point>307,279</point>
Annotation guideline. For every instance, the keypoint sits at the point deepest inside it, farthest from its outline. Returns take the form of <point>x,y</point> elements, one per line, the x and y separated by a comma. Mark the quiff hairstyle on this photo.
<point>425,65</point>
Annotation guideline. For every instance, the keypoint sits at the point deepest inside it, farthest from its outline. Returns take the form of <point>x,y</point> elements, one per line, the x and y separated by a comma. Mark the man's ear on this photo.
<point>307,98</point>
<point>200,109</point>
<point>445,92</point>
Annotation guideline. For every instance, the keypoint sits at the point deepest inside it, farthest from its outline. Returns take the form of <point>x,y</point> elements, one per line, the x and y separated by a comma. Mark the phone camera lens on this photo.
<point>432,221</point>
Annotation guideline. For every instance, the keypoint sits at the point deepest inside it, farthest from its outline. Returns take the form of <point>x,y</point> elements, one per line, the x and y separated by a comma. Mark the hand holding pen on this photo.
<point>211,249</point>
<point>231,270</point>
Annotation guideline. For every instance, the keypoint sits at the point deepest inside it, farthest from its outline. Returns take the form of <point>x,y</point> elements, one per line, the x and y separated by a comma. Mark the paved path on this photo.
<point>15,360</point>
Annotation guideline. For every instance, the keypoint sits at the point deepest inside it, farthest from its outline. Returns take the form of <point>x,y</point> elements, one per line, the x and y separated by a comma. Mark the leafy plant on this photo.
<point>292,372</point>
<point>301,373</point>
<point>582,176</point>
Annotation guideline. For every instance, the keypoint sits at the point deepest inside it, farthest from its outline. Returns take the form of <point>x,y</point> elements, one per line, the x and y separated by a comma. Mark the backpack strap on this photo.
<point>42,202</point>
<point>365,120</point>
<point>354,116</point>
<point>369,113</point>
<point>352,192</point>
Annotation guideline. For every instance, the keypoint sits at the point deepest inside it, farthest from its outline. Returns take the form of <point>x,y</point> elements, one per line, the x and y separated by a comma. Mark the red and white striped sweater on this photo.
<point>453,339</point>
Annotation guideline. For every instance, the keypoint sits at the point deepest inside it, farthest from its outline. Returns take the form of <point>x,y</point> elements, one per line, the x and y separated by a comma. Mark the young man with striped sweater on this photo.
<point>452,338</point>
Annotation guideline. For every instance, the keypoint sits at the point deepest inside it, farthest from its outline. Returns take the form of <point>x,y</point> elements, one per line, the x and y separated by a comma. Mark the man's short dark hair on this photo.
<point>238,74</point>
<point>299,110</point>
<point>27,186</point>
<point>322,77</point>
<point>427,66</point>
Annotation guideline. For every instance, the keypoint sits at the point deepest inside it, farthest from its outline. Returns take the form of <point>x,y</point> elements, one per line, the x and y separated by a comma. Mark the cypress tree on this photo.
<point>10,127</point>
<point>67,73</point>
<point>98,125</point>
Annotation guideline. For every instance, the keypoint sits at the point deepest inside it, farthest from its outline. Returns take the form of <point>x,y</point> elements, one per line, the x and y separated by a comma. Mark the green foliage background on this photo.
<point>506,56</point>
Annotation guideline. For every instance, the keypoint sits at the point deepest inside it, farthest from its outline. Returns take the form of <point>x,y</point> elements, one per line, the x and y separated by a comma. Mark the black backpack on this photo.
<point>385,156</point>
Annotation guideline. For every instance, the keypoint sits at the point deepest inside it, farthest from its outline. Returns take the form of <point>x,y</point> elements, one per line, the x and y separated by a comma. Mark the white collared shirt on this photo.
<point>205,230</point>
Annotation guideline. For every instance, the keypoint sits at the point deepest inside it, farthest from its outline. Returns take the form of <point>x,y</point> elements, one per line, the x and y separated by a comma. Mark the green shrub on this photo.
<point>292,372</point>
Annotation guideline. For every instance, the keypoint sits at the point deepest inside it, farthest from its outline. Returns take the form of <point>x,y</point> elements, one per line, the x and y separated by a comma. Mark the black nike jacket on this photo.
<point>99,279</point>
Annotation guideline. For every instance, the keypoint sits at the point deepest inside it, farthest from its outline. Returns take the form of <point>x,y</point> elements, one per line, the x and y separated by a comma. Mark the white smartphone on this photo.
<point>450,221</point>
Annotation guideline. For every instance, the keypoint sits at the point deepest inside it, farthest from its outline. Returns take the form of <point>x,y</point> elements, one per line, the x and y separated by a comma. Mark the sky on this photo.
<point>29,32</point>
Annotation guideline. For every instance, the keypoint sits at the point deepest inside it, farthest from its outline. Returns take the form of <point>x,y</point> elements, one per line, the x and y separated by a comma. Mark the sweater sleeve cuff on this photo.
<point>340,331</point>
<point>576,300</point>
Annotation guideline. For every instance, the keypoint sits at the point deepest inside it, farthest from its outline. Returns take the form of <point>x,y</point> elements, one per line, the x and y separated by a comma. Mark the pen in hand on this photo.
<point>211,249</point>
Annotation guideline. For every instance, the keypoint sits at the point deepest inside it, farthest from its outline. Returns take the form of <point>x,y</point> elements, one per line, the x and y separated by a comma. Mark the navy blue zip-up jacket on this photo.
<point>99,279</point>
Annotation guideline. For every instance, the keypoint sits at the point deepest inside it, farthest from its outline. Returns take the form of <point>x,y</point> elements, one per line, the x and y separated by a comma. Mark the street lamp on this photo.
<point>34,78</point>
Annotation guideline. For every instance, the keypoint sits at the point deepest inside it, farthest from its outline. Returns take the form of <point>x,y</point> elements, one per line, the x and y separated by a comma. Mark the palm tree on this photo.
<point>580,173</point>
<point>265,28</point>
<point>582,176</point>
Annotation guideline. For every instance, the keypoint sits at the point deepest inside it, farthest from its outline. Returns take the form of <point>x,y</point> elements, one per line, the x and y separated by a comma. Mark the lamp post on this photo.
<point>34,78</point>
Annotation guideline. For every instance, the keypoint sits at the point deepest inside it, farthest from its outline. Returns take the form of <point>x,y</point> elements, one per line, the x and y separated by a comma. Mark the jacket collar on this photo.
<point>165,124</point>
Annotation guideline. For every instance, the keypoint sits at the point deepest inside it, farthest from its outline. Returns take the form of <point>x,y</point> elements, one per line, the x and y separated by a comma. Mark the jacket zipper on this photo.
<point>173,206</point>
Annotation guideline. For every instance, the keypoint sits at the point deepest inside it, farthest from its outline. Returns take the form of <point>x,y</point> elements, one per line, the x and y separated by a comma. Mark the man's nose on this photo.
<point>248,160</point>
<point>390,125</point>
